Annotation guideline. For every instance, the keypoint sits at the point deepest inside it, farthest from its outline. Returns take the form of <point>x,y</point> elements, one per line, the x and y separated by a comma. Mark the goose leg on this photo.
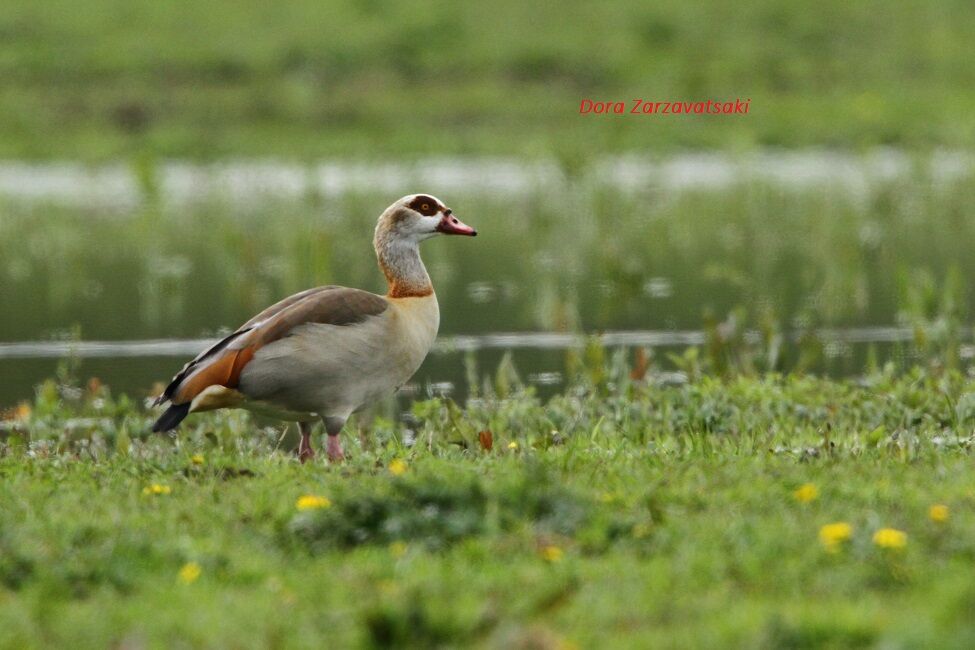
<point>333,446</point>
<point>305,450</point>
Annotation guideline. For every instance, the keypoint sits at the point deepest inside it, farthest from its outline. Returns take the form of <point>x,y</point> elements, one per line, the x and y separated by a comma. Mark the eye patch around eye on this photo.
<point>425,205</point>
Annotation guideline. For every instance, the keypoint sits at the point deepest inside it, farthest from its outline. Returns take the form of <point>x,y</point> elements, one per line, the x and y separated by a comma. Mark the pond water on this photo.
<point>141,365</point>
<point>650,251</point>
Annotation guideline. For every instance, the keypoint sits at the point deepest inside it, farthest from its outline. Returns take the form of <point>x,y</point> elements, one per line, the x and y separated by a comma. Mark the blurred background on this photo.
<point>169,168</point>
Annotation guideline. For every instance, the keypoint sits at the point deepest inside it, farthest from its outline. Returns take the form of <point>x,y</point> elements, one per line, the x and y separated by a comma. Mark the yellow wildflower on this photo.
<point>312,502</point>
<point>834,535</point>
<point>398,467</point>
<point>890,538</point>
<point>156,489</point>
<point>938,513</point>
<point>22,412</point>
<point>552,554</point>
<point>398,549</point>
<point>189,573</point>
<point>197,459</point>
<point>806,493</point>
<point>512,445</point>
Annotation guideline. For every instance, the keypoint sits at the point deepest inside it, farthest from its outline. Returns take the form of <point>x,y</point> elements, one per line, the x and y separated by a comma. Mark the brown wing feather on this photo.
<point>222,364</point>
<point>339,306</point>
<point>287,302</point>
<point>208,354</point>
<point>223,370</point>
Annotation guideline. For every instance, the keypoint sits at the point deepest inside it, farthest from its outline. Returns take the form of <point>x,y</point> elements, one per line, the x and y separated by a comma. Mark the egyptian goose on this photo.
<point>329,351</point>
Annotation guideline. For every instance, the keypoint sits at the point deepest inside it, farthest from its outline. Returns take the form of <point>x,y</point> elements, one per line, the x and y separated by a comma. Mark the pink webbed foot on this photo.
<point>333,447</point>
<point>305,451</point>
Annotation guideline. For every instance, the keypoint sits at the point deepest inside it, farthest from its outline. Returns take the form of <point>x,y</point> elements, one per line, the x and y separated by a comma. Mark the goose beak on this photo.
<point>451,225</point>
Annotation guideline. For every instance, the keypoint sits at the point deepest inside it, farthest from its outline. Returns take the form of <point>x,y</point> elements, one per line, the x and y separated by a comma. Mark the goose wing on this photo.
<point>222,363</point>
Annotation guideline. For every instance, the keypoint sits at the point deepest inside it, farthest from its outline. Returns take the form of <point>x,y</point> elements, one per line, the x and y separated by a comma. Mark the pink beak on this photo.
<point>451,225</point>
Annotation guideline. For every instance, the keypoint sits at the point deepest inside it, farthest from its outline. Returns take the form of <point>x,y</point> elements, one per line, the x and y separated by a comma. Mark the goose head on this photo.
<point>401,227</point>
<point>416,217</point>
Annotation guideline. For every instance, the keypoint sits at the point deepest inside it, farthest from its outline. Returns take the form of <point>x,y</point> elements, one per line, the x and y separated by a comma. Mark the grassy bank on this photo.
<point>366,79</point>
<point>622,512</point>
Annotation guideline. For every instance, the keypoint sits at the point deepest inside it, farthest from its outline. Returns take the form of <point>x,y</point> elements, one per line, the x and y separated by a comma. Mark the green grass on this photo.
<point>364,78</point>
<point>620,513</point>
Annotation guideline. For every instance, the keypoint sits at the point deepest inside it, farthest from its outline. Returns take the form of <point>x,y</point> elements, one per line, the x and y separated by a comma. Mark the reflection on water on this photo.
<point>137,367</point>
<point>120,187</point>
<point>445,344</point>
<point>545,378</point>
<point>141,376</point>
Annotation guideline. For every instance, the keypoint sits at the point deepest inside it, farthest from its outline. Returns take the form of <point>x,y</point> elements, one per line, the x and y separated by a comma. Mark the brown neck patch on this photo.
<point>401,289</point>
<point>401,264</point>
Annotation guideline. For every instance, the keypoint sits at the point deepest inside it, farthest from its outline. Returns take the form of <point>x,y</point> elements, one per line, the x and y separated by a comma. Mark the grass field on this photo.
<point>621,513</point>
<point>768,489</point>
<point>365,78</point>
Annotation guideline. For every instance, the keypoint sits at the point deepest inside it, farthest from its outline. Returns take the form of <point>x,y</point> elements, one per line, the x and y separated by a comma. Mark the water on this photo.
<point>121,187</point>
<point>138,367</point>
<point>444,345</point>
<point>148,265</point>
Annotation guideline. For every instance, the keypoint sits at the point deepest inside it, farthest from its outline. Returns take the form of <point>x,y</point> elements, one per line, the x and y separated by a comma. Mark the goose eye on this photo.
<point>425,207</point>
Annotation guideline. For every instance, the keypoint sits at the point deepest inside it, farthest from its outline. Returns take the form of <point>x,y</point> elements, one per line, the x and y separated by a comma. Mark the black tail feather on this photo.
<point>172,417</point>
